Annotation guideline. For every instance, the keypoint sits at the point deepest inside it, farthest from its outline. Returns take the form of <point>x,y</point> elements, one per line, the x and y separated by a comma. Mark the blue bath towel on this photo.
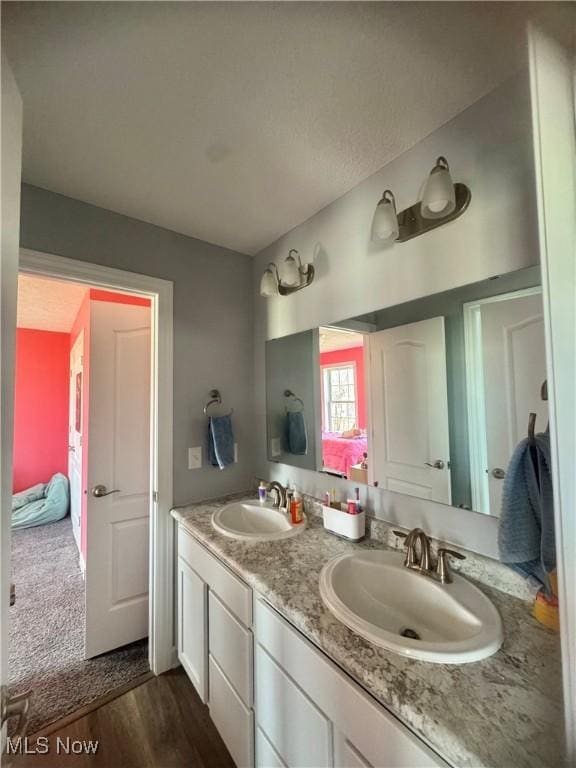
<point>526,532</point>
<point>220,441</point>
<point>296,437</point>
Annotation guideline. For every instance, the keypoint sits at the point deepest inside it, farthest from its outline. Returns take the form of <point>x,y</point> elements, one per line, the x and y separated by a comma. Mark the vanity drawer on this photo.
<point>266,755</point>
<point>234,721</point>
<point>375,733</point>
<point>236,595</point>
<point>231,646</point>
<point>297,730</point>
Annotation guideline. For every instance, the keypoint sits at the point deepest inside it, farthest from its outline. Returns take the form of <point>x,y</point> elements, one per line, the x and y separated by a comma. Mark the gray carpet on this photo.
<point>47,629</point>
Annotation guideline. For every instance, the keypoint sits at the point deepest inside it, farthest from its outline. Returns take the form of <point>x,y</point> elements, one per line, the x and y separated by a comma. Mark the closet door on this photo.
<point>75,428</point>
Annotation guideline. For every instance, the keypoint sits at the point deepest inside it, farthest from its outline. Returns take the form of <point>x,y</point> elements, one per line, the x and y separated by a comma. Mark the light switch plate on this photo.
<point>195,457</point>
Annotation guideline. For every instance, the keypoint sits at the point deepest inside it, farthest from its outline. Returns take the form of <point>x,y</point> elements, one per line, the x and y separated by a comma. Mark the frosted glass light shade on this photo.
<point>385,221</point>
<point>439,198</point>
<point>290,272</point>
<point>268,284</point>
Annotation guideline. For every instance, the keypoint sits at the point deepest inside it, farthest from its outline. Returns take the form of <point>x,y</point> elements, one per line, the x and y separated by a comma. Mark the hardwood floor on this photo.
<point>160,724</point>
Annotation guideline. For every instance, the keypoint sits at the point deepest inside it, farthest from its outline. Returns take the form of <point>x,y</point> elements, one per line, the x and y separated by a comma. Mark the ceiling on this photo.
<point>234,122</point>
<point>48,305</point>
<point>332,339</point>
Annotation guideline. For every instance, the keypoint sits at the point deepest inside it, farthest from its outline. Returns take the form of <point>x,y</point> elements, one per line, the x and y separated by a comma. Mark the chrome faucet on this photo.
<point>279,499</point>
<point>421,561</point>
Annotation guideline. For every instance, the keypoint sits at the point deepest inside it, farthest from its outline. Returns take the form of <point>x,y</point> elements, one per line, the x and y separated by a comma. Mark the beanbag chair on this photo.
<point>41,504</point>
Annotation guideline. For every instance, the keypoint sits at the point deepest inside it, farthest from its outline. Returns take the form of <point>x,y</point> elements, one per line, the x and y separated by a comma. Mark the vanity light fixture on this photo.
<point>385,221</point>
<point>442,201</point>
<point>269,281</point>
<point>295,276</point>
<point>439,198</point>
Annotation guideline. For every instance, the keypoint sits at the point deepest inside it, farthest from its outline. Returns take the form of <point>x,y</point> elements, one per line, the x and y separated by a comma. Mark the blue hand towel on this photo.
<point>296,438</point>
<point>526,531</point>
<point>220,441</point>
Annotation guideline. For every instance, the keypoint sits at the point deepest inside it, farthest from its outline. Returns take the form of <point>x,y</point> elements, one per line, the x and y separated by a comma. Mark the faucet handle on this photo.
<point>443,573</point>
<point>400,534</point>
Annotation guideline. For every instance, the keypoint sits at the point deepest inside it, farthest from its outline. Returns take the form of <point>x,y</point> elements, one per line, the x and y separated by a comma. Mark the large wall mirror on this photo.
<point>428,398</point>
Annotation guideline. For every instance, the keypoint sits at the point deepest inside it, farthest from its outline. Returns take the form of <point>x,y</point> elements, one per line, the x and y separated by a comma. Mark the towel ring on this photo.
<point>215,399</point>
<point>289,393</point>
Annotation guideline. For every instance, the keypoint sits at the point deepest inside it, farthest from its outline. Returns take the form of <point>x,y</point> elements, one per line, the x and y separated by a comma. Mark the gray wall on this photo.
<point>213,329</point>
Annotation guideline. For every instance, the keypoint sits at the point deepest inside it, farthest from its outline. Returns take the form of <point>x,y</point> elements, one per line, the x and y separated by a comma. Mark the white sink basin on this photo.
<point>377,597</point>
<point>246,520</point>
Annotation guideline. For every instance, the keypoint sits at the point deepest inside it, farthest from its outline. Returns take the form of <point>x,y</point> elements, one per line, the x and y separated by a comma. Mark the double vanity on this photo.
<point>313,651</point>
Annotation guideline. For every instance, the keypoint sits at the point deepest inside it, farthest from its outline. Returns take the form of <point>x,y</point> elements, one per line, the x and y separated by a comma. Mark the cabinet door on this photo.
<point>193,627</point>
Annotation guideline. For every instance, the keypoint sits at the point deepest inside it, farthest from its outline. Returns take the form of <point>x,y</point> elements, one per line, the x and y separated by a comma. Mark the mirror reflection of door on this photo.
<point>409,405</point>
<point>507,362</point>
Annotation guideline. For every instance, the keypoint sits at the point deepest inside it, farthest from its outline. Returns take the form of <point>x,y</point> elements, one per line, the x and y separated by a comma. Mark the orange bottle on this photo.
<point>296,512</point>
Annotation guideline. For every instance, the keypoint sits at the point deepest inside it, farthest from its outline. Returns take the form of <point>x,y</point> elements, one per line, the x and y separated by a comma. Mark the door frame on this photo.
<point>552,80</point>
<point>161,648</point>
<point>475,396</point>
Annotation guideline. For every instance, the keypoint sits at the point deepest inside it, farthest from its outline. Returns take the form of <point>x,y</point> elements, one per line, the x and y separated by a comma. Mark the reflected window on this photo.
<point>339,388</point>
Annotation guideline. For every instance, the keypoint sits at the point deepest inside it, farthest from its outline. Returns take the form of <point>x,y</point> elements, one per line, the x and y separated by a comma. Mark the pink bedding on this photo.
<point>340,453</point>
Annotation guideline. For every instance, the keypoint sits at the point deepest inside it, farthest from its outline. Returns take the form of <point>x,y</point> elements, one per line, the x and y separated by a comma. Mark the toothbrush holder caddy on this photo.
<point>343,524</point>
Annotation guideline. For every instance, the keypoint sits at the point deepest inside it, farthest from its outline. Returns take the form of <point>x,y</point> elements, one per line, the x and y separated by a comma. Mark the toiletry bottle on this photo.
<point>358,506</point>
<point>262,490</point>
<point>296,512</point>
<point>289,502</point>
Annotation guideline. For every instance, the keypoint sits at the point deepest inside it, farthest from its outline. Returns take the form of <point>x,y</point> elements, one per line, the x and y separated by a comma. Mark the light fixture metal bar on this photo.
<point>411,223</point>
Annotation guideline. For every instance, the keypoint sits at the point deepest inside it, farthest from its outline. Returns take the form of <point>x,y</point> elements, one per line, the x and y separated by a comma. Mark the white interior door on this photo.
<point>75,435</point>
<point>409,450</point>
<point>11,171</point>
<point>514,363</point>
<point>119,460</point>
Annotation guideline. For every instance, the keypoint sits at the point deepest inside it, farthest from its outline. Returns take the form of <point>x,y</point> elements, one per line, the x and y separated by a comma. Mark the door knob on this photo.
<point>438,464</point>
<point>100,490</point>
<point>498,473</point>
<point>15,706</point>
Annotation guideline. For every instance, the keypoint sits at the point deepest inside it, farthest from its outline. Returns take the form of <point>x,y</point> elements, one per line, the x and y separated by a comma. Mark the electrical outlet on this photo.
<point>195,457</point>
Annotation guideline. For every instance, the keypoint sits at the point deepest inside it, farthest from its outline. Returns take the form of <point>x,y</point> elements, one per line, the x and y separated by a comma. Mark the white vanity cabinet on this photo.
<point>215,643</point>
<point>311,714</point>
<point>276,700</point>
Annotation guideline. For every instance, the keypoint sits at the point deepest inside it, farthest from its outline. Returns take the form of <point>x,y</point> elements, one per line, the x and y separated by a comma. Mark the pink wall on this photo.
<point>352,355</point>
<point>97,294</point>
<point>41,406</point>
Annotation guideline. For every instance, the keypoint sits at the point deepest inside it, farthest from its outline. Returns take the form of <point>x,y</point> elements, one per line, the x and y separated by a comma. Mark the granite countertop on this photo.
<point>503,712</point>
